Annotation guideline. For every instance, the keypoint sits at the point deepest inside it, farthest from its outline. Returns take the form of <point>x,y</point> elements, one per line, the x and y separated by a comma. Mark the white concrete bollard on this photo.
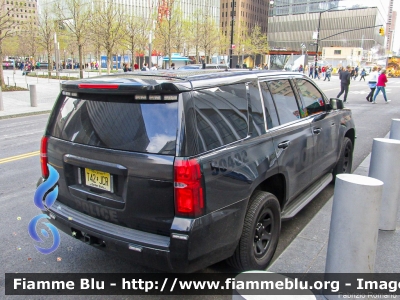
<point>1,100</point>
<point>395,129</point>
<point>32,92</point>
<point>385,166</point>
<point>353,234</point>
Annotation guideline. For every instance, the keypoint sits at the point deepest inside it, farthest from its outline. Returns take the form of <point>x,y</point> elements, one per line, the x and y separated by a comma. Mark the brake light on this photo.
<point>43,157</point>
<point>98,86</point>
<point>189,198</point>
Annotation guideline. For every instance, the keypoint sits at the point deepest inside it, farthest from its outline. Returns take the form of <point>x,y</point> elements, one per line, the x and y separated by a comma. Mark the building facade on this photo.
<point>23,14</point>
<point>292,7</point>
<point>337,28</point>
<point>246,15</point>
<point>390,26</point>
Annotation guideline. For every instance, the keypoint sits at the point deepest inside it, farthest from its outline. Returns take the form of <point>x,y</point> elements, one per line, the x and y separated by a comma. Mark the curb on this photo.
<point>25,114</point>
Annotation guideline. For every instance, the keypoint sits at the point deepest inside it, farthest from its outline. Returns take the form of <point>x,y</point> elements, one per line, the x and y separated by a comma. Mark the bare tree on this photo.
<point>208,35</point>
<point>46,35</point>
<point>258,43</point>
<point>167,26</point>
<point>135,29</point>
<point>108,24</point>
<point>7,27</point>
<point>194,32</point>
<point>76,16</point>
<point>28,38</point>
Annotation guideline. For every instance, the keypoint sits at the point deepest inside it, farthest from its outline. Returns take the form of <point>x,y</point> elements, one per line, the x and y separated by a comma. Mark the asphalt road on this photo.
<point>20,170</point>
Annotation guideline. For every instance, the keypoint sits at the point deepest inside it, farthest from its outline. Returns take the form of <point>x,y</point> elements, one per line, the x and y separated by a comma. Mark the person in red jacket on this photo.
<point>380,86</point>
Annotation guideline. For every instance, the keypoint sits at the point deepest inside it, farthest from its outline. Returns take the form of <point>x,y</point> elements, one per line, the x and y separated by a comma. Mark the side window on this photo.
<point>221,115</point>
<point>270,111</point>
<point>313,100</point>
<point>285,101</point>
<point>257,110</point>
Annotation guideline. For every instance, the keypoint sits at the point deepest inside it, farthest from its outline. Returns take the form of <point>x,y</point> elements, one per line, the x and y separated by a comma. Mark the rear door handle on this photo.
<point>284,145</point>
<point>317,130</point>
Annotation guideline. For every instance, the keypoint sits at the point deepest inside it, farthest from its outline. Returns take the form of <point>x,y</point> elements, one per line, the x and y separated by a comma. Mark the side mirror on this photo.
<point>336,103</point>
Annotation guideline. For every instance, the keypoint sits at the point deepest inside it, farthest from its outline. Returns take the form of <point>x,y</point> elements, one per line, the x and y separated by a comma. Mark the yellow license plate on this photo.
<point>98,179</point>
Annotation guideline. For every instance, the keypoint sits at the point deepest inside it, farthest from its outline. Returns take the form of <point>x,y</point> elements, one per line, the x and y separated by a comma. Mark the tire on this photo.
<point>345,161</point>
<point>260,235</point>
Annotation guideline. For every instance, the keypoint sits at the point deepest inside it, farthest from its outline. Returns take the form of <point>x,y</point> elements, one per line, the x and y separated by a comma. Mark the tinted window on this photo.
<point>270,111</point>
<point>257,110</point>
<point>141,127</point>
<point>285,100</point>
<point>221,115</point>
<point>311,97</point>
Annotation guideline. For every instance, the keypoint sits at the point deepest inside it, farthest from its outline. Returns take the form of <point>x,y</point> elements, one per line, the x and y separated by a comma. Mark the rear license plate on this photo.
<point>98,179</point>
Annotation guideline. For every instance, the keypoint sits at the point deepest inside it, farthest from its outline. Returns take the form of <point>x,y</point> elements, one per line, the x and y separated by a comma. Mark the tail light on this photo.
<point>189,198</point>
<point>43,157</point>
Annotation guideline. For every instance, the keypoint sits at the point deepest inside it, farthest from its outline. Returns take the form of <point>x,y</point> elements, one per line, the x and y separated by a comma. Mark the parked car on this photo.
<point>181,171</point>
<point>8,64</point>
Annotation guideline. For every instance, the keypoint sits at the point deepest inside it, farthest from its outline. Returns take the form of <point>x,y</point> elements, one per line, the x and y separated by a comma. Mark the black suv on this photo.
<point>180,170</point>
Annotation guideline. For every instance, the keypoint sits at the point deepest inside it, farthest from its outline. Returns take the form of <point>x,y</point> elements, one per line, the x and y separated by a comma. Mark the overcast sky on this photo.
<point>396,7</point>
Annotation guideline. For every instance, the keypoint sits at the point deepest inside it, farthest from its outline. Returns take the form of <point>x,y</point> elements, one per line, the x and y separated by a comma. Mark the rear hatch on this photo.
<point>115,153</point>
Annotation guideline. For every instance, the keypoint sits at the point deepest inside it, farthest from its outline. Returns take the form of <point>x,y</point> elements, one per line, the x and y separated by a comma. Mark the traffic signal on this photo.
<point>381,31</point>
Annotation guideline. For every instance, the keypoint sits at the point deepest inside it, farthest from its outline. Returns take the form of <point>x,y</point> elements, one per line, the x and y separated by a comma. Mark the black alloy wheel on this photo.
<point>260,235</point>
<point>263,232</point>
<point>345,161</point>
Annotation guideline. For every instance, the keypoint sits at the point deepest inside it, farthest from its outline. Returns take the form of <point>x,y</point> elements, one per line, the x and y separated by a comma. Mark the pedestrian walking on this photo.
<point>316,72</point>
<point>154,67</point>
<point>352,73</point>
<point>323,71</point>
<point>373,78</point>
<point>311,73</point>
<point>345,77</point>
<point>301,69</point>
<point>380,86</point>
<point>355,72</point>
<point>363,73</point>
<point>328,73</point>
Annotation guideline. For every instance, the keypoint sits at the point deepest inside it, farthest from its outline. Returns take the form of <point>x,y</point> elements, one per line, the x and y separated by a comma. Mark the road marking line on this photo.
<point>17,157</point>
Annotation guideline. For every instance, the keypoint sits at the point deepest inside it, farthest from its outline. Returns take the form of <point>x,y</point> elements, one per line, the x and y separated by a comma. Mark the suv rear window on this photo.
<point>132,126</point>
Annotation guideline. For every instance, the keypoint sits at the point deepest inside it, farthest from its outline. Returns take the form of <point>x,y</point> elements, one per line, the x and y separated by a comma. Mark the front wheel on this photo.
<point>260,233</point>
<point>345,161</point>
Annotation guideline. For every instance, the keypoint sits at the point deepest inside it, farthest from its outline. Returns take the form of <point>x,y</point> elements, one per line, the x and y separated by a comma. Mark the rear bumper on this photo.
<point>193,244</point>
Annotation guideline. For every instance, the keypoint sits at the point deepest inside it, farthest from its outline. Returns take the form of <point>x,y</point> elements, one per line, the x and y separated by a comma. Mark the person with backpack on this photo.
<point>145,67</point>
<point>373,78</point>
<point>363,73</point>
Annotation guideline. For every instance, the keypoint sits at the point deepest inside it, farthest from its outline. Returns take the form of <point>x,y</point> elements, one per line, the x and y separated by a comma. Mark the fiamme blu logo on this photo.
<point>46,194</point>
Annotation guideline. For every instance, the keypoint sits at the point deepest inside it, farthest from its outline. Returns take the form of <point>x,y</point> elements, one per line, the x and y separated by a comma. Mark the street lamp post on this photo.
<point>316,50</point>
<point>317,41</point>
<point>231,48</point>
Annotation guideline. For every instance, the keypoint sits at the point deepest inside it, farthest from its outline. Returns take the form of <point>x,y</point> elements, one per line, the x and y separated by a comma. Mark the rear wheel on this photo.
<point>345,161</point>
<point>260,233</point>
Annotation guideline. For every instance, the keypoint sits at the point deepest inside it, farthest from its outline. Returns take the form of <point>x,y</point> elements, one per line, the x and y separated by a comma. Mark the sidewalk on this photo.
<point>307,252</point>
<point>17,104</point>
